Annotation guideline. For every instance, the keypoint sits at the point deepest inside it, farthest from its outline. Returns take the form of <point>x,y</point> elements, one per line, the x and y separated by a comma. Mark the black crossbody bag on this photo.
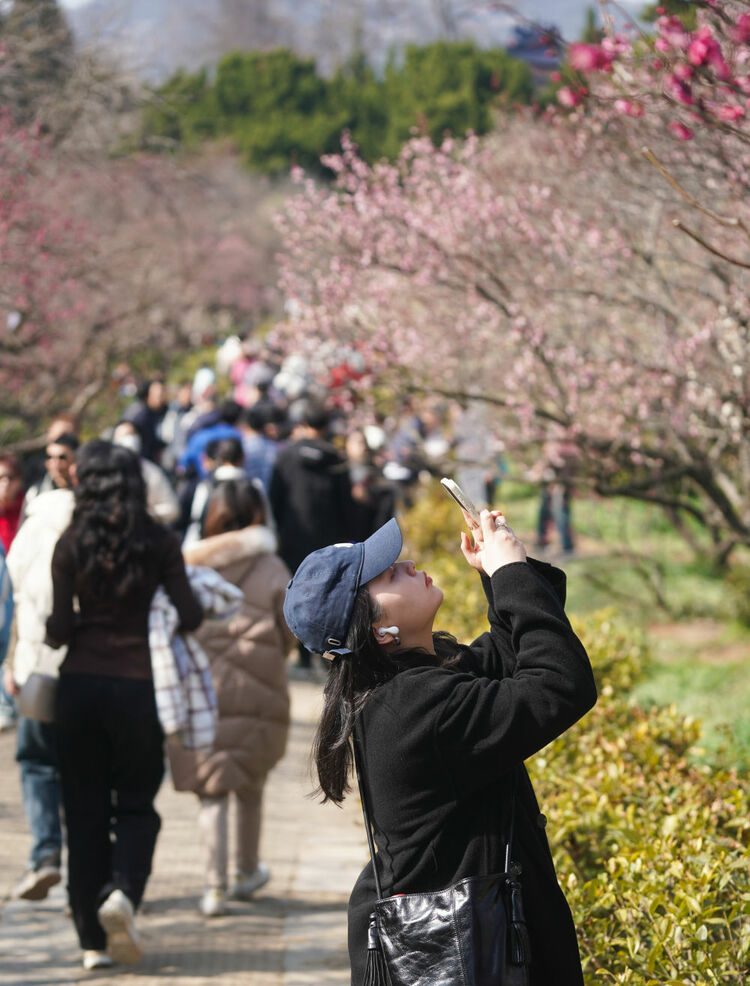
<point>472,933</point>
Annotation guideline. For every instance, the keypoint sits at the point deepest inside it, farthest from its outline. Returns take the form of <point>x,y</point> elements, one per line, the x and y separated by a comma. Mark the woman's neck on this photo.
<point>421,642</point>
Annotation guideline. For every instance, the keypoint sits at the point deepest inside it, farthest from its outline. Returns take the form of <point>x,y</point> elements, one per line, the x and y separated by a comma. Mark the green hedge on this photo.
<point>652,849</point>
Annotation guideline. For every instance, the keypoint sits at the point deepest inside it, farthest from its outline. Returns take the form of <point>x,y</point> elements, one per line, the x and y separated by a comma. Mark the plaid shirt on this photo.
<point>185,696</point>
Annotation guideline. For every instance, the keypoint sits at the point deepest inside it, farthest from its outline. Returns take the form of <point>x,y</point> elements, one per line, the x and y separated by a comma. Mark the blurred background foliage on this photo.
<point>277,107</point>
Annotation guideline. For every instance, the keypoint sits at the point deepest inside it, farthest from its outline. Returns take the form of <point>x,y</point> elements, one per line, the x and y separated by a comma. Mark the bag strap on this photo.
<point>366,815</point>
<point>512,822</point>
<point>368,825</point>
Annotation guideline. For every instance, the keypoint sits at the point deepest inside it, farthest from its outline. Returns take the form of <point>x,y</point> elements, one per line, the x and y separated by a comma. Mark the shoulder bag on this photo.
<point>37,697</point>
<point>472,933</point>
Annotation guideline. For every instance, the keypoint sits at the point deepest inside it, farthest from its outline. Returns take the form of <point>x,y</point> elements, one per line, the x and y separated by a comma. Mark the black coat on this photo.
<point>439,748</point>
<point>310,497</point>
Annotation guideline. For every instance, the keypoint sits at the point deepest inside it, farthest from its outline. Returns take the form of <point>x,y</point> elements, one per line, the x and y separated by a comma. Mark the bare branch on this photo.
<point>678,224</point>
<point>730,221</point>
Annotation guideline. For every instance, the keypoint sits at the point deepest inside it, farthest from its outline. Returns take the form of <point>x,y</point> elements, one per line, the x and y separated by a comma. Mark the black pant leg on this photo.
<point>83,758</point>
<point>137,744</point>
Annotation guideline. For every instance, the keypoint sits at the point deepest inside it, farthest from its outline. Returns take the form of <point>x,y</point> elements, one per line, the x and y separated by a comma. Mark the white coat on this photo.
<point>30,568</point>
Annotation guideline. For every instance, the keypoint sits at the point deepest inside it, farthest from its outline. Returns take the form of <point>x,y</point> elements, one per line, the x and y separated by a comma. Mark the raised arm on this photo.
<point>490,724</point>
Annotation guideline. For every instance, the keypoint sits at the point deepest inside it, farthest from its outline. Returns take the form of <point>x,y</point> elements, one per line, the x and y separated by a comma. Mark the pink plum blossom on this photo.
<point>568,97</point>
<point>673,31</point>
<point>680,91</point>
<point>680,131</point>
<point>589,58</point>
<point>683,71</point>
<point>628,107</point>
<point>730,113</point>
<point>740,32</point>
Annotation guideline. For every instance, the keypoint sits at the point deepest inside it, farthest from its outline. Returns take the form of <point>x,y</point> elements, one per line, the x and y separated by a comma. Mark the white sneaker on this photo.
<point>116,917</point>
<point>213,903</point>
<point>94,959</point>
<point>246,884</point>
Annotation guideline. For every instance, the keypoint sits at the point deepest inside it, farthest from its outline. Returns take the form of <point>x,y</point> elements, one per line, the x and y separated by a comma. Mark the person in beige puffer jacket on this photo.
<point>248,664</point>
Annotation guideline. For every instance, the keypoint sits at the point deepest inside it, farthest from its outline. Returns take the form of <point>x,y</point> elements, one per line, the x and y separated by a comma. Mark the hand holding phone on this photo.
<point>465,503</point>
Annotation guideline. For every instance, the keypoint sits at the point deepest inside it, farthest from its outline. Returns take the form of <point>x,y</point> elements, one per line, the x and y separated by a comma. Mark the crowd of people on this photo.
<point>245,470</point>
<point>247,483</point>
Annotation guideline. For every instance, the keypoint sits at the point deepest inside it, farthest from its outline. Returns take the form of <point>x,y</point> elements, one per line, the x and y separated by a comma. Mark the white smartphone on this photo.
<point>454,490</point>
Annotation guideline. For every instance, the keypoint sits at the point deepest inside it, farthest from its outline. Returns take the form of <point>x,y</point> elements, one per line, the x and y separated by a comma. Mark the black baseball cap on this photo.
<point>320,596</point>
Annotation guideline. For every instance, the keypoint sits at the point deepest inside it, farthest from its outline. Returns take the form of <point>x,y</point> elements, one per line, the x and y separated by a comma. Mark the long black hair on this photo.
<point>234,504</point>
<point>352,678</point>
<point>111,529</point>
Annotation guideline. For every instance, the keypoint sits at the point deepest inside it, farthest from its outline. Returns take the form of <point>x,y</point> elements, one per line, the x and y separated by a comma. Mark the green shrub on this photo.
<point>652,849</point>
<point>619,652</point>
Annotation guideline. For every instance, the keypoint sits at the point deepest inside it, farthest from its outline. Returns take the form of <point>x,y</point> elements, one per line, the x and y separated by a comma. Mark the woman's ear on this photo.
<point>386,635</point>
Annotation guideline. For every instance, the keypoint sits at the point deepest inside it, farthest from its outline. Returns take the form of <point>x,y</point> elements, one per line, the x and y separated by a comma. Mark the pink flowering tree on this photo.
<point>40,286</point>
<point>540,273</point>
<point>681,98</point>
<point>106,259</point>
<point>693,84</point>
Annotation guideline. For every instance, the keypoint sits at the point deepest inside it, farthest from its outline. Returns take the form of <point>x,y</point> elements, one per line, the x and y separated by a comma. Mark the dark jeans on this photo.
<point>110,748</point>
<point>554,507</point>
<point>40,784</point>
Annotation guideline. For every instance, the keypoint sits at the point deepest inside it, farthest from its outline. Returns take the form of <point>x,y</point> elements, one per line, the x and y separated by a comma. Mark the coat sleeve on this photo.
<point>175,581</point>
<point>489,725</point>
<point>61,619</point>
<point>492,653</point>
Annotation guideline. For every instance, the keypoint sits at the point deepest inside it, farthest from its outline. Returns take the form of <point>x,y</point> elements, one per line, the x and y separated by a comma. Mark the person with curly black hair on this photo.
<point>106,568</point>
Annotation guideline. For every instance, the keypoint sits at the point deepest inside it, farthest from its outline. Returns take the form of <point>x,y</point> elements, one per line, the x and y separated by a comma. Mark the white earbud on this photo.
<point>382,631</point>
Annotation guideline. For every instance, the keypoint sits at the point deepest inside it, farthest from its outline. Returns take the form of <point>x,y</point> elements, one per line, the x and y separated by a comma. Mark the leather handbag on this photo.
<point>37,697</point>
<point>472,933</point>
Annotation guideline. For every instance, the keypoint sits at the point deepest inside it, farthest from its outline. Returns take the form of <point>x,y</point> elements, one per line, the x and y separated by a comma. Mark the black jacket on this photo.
<point>109,636</point>
<point>310,497</point>
<point>439,748</point>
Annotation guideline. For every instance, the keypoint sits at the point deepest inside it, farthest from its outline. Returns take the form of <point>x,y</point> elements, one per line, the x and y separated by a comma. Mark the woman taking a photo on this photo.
<point>441,730</point>
<point>111,559</point>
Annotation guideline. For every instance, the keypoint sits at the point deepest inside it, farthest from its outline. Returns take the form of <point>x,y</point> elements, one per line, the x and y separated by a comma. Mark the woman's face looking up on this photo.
<point>408,599</point>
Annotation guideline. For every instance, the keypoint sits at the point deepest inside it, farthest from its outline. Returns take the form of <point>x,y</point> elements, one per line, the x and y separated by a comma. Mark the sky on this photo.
<point>539,8</point>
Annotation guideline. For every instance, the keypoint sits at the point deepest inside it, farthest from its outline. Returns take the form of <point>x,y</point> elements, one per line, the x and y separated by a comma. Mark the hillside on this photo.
<point>154,37</point>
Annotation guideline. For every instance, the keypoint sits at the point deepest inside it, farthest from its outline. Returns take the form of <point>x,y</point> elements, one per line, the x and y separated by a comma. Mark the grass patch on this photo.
<point>716,694</point>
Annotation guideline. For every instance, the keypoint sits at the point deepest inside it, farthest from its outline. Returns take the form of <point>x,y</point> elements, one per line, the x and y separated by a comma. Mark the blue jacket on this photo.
<point>197,444</point>
<point>6,606</point>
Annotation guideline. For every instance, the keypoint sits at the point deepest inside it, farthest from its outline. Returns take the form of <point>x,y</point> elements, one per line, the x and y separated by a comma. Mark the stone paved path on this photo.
<point>292,934</point>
